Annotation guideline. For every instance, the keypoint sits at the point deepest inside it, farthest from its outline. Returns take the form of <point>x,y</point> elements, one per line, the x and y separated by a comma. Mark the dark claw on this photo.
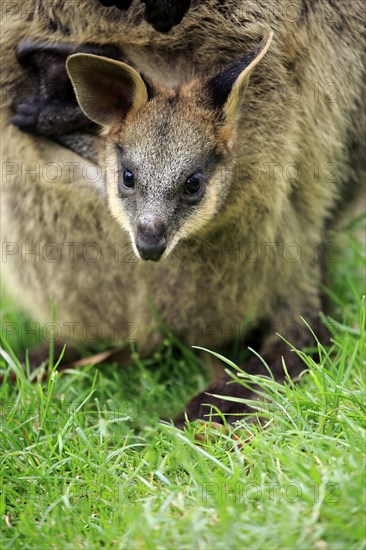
<point>32,103</point>
<point>25,109</point>
<point>27,114</point>
<point>23,123</point>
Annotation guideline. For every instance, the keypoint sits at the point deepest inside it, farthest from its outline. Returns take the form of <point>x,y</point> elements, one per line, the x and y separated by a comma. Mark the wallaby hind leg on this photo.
<point>204,405</point>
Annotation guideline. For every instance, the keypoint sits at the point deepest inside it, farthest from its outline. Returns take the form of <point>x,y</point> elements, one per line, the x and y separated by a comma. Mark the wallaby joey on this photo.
<point>170,166</point>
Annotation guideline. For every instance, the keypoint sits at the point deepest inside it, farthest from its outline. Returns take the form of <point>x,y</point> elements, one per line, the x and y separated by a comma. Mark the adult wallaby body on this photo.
<point>230,183</point>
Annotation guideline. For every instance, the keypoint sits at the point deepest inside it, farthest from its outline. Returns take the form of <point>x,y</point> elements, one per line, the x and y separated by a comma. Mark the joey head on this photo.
<point>168,155</point>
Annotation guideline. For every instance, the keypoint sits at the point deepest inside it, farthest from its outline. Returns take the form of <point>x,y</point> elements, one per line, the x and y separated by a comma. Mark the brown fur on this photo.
<point>315,52</point>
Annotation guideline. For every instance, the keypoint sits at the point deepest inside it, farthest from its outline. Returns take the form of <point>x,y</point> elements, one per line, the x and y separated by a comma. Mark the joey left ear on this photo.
<point>106,89</point>
<point>226,89</point>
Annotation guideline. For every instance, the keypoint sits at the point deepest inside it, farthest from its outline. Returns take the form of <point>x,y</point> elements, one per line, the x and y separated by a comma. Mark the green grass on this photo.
<point>85,462</point>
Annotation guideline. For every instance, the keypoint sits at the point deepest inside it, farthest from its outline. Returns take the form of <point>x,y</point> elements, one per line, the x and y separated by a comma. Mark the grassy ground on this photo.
<point>86,464</point>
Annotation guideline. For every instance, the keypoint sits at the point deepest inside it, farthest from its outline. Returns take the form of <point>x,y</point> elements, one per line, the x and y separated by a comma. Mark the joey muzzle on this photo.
<point>150,237</point>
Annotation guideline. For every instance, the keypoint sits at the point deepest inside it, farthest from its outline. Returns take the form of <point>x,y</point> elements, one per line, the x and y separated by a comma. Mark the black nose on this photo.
<point>150,238</point>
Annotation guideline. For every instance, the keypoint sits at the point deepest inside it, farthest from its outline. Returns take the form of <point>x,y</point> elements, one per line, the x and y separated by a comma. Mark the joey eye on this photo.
<point>128,179</point>
<point>193,185</point>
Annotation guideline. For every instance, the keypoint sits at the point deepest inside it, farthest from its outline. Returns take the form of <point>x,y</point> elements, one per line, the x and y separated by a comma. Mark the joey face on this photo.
<point>168,151</point>
<point>164,174</point>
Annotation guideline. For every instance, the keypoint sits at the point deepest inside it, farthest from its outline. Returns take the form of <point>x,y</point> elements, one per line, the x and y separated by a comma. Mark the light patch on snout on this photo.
<point>114,202</point>
<point>203,214</point>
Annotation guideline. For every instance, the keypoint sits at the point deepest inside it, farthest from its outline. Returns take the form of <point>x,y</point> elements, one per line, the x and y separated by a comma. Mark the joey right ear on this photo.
<point>227,88</point>
<point>105,89</point>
